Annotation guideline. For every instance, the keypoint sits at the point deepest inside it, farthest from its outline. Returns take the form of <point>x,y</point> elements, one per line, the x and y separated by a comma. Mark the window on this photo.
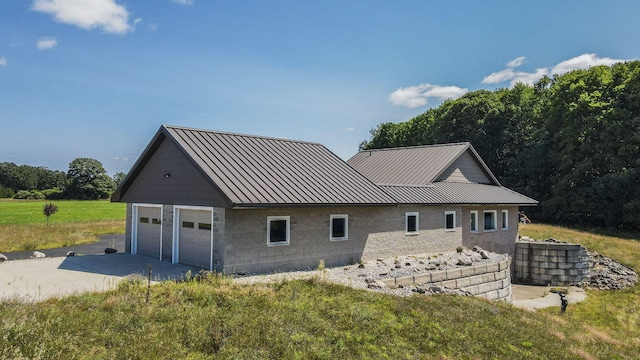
<point>474,221</point>
<point>450,220</point>
<point>204,226</point>
<point>156,221</point>
<point>505,219</point>
<point>490,220</point>
<point>339,227</point>
<point>277,230</point>
<point>144,220</point>
<point>188,224</point>
<point>411,222</point>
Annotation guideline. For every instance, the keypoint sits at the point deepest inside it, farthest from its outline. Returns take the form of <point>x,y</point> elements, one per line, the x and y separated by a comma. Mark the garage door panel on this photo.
<point>195,238</point>
<point>149,229</point>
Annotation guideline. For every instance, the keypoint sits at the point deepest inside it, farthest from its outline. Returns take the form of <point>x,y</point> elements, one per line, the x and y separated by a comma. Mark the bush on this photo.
<point>29,195</point>
<point>52,194</point>
<point>6,193</point>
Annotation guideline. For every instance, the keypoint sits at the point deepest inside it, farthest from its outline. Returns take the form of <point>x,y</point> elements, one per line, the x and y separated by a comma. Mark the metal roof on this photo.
<point>416,165</point>
<point>259,171</point>
<point>456,193</point>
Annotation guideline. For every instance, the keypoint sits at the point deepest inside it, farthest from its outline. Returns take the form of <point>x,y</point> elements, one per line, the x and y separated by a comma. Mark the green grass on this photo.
<point>23,226</point>
<point>217,319</point>
<point>15,212</point>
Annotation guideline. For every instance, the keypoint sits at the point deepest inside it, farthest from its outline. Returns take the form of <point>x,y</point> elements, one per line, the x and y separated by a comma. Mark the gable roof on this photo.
<point>414,175</point>
<point>252,171</point>
<point>414,165</point>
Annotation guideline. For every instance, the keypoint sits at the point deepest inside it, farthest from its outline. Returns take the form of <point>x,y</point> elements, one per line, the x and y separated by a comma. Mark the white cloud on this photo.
<point>183,2</point>
<point>87,14</point>
<point>583,61</point>
<point>47,42</point>
<point>118,158</point>
<point>3,61</point>
<point>350,129</point>
<point>516,62</point>
<point>418,95</point>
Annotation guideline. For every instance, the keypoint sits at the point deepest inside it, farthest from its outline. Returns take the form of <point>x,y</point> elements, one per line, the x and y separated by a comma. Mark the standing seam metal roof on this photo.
<point>257,171</point>
<point>418,165</point>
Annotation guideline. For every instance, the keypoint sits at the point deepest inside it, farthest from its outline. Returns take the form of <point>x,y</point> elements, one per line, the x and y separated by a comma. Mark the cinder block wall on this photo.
<point>490,281</point>
<point>500,241</point>
<point>373,232</point>
<point>547,263</point>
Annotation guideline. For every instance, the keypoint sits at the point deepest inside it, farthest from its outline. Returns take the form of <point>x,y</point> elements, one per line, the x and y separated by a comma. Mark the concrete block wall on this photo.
<point>373,232</point>
<point>490,281</point>
<point>549,263</point>
<point>500,241</point>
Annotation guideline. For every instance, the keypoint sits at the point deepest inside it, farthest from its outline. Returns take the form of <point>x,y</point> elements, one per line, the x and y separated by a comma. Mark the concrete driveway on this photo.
<point>40,279</point>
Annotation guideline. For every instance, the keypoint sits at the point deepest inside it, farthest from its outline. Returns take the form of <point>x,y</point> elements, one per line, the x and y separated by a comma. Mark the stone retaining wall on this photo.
<point>550,263</point>
<point>491,280</point>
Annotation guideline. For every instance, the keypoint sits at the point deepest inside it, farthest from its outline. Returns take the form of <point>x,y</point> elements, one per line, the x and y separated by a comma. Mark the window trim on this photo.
<point>504,216</point>
<point>447,213</point>
<point>345,217</point>
<point>406,223</point>
<point>288,230</point>
<point>473,213</point>
<point>494,222</point>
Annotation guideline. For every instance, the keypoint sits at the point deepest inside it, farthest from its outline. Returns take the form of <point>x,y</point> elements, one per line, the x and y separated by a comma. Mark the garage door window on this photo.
<point>204,226</point>
<point>277,230</point>
<point>188,224</point>
<point>144,220</point>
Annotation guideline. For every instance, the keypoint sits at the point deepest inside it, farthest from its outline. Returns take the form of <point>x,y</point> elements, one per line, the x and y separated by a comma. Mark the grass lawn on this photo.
<point>24,227</point>
<point>217,319</point>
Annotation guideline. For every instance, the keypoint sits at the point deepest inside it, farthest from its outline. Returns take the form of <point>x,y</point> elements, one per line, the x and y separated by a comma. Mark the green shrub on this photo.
<point>29,195</point>
<point>52,194</point>
<point>6,192</point>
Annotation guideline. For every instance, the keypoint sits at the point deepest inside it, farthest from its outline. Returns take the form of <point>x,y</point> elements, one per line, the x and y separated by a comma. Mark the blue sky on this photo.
<point>96,78</point>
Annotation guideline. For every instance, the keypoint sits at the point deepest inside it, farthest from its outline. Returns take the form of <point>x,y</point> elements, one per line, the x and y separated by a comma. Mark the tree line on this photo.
<point>86,179</point>
<point>570,141</point>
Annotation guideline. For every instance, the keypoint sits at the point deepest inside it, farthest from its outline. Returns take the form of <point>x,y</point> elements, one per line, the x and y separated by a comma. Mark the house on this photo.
<point>241,203</point>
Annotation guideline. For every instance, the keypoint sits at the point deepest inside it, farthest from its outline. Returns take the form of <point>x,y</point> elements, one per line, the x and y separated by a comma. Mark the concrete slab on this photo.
<point>40,279</point>
<point>531,297</point>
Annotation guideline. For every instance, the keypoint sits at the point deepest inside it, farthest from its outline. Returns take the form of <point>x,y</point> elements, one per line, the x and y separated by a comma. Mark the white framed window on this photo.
<point>338,227</point>
<point>411,222</point>
<point>490,220</point>
<point>278,230</point>
<point>473,226</point>
<point>449,220</point>
<point>505,219</point>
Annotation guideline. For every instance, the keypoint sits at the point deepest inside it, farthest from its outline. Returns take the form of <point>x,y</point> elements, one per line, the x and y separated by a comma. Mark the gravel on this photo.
<point>366,275</point>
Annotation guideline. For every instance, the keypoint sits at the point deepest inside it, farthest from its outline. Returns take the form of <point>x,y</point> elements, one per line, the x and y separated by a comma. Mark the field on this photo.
<point>24,227</point>
<point>216,318</point>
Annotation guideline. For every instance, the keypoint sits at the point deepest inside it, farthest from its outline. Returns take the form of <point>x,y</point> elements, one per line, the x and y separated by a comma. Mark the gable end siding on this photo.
<point>184,184</point>
<point>465,169</point>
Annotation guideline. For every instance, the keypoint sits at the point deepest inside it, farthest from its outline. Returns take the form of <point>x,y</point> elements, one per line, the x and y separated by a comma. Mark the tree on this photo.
<point>88,180</point>
<point>48,210</point>
<point>118,177</point>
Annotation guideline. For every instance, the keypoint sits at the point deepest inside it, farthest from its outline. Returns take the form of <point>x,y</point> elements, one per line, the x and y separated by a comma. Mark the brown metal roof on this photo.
<point>457,193</point>
<point>416,165</point>
<point>260,171</point>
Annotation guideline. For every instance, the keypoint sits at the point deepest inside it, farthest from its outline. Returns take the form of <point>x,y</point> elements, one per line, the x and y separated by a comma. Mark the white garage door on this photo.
<point>194,239</point>
<point>149,229</point>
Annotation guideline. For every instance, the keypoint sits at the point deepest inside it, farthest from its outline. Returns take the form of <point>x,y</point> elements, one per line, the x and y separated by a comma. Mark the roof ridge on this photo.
<point>418,146</point>
<point>241,135</point>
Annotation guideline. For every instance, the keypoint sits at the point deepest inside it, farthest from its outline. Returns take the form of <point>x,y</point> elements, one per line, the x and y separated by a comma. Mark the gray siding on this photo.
<point>465,169</point>
<point>185,184</point>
